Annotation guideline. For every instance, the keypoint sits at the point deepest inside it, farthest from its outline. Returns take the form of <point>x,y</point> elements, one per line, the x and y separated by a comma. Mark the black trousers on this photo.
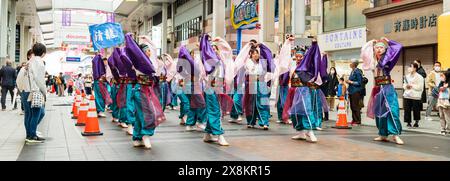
<point>356,107</point>
<point>415,107</point>
<point>5,90</point>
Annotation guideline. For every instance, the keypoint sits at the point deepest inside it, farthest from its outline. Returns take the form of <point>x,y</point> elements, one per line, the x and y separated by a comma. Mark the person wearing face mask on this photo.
<point>380,57</point>
<point>433,81</point>
<point>413,86</point>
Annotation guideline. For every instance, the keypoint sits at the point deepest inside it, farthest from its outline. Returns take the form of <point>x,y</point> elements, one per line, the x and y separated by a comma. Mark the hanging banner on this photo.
<point>66,17</point>
<point>110,17</point>
<point>244,12</point>
<point>106,35</point>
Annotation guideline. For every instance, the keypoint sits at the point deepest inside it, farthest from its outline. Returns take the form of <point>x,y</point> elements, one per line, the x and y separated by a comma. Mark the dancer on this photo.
<point>307,97</point>
<point>114,88</point>
<point>193,111</point>
<point>148,109</point>
<point>127,82</point>
<point>380,56</point>
<point>102,97</point>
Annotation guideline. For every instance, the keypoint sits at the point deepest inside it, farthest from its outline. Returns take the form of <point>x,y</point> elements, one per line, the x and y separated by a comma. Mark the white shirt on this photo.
<point>417,83</point>
<point>32,79</point>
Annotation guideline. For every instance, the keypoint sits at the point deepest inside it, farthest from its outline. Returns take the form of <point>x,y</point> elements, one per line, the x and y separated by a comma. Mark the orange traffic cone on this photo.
<point>342,116</point>
<point>92,126</point>
<point>82,114</point>
<point>74,100</point>
<point>77,106</point>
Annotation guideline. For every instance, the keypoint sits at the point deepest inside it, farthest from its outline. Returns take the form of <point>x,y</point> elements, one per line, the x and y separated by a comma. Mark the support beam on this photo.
<point>298,18</point>
<point>218,24</point>
<point>3,30</point>
<point>165,7</point>
<point>267,21</point>
<point>12,31</point>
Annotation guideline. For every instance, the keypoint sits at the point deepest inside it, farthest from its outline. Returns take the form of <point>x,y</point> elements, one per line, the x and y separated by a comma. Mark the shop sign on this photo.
<point>244,13</point>
<point>410,24</point>
<point>348,39</point>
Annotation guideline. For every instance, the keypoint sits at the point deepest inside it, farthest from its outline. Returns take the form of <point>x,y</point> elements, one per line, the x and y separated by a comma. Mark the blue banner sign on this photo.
<point>106,35</point>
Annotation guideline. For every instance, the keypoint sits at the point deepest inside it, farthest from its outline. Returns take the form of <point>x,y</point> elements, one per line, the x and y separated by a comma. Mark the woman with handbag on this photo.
<point>31,80</point>
<point>443,105</point>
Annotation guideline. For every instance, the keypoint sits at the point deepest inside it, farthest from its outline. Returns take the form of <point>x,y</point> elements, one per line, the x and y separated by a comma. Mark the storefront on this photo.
<point>342,48</point>
<point>413,24</point>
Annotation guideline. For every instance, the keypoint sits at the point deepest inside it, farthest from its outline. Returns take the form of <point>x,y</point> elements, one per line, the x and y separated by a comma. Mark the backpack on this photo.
<point>364,83</point>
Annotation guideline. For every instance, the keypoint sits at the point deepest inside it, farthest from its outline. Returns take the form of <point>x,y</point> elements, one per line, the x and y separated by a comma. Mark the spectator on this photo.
<point>342,89</point>
<point>324,89</point>
<point>70,86</point>
<point>8,82</point>
<point>354,91</point>
<point>443,104</point>
<point>60,82</point>
<point>332,86</point>
<point>422,72</point>
<point>413,85</point>
<point>88,84</point>
<point>79,83</point>
<point>32,79</point>
<point>433,81</point>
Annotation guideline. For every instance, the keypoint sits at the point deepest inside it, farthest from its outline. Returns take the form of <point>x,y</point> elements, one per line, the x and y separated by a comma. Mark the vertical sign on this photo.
<point>66,17</point>
<point>110,18</point>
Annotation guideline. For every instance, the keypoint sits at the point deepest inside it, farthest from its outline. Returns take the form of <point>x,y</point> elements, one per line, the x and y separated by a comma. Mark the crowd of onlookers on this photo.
<point>62,84</point>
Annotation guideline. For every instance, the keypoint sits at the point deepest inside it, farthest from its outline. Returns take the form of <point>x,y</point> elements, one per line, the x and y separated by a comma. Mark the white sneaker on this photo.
<point>319,129</point>
<point>123,125</point>
<point>138,143</point>
<point>222,141</point>
<point>239,118</point>
<point>397,140</point>
<point>101,115</point>
<point>201,126</point>
<point>146,140</point>
<point>310,137</point>
<point>130,129</point>
<point>190,128</point>
<point>289,121</point>
<point>301,136</point>
<point>208,138</point>
<point>380,138</point>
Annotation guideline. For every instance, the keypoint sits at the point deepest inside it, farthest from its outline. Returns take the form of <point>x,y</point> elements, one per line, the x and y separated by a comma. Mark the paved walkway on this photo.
<point>172,142</point>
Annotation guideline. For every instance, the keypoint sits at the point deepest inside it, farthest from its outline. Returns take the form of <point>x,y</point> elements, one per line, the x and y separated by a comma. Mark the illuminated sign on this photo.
<point>244,13</point>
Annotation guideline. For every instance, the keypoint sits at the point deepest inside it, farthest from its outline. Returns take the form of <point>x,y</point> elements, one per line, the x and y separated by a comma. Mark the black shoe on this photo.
<point>416,125</point>
<point>34,140</point>
<point>409,125</point>
<point>40,138</point>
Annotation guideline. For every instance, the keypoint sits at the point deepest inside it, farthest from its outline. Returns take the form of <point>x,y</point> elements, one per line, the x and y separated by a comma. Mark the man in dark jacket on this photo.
<point>354,90</point>
<point>8,77</point>
<point>422,72</point>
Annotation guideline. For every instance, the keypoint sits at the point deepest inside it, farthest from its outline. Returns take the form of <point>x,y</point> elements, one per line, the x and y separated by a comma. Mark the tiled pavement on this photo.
<point>171,142</point>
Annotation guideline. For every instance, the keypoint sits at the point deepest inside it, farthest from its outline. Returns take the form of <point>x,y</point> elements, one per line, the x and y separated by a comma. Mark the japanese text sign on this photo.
<point>106,35</point>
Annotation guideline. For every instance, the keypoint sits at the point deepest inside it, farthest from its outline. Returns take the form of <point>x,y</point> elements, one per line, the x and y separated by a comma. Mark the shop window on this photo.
<point>210,7</point>
<point>189,29</point>
<point>342,14</point>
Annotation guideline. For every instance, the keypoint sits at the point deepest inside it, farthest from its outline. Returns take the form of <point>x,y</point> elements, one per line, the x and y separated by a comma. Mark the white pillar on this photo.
<point>3,30</point>
<point>164,28</point>
<point>298,18</point>
<point>12,31</point>
<point>218,25</point>
<point>281,19</point>
<point>267,21</point>
<point>446,6</point>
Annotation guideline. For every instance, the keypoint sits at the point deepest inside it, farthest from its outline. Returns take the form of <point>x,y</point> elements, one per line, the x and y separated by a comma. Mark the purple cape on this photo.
<point>266,54</point>
<point>128,65</point>
<point>185,61</point>
<point>113,67</point>
<point>310,66</point>
<point>98,67</point>
<point>118,62</point>
<point>209,56</point>
<point>391,57</point>
<point>140,61</point>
